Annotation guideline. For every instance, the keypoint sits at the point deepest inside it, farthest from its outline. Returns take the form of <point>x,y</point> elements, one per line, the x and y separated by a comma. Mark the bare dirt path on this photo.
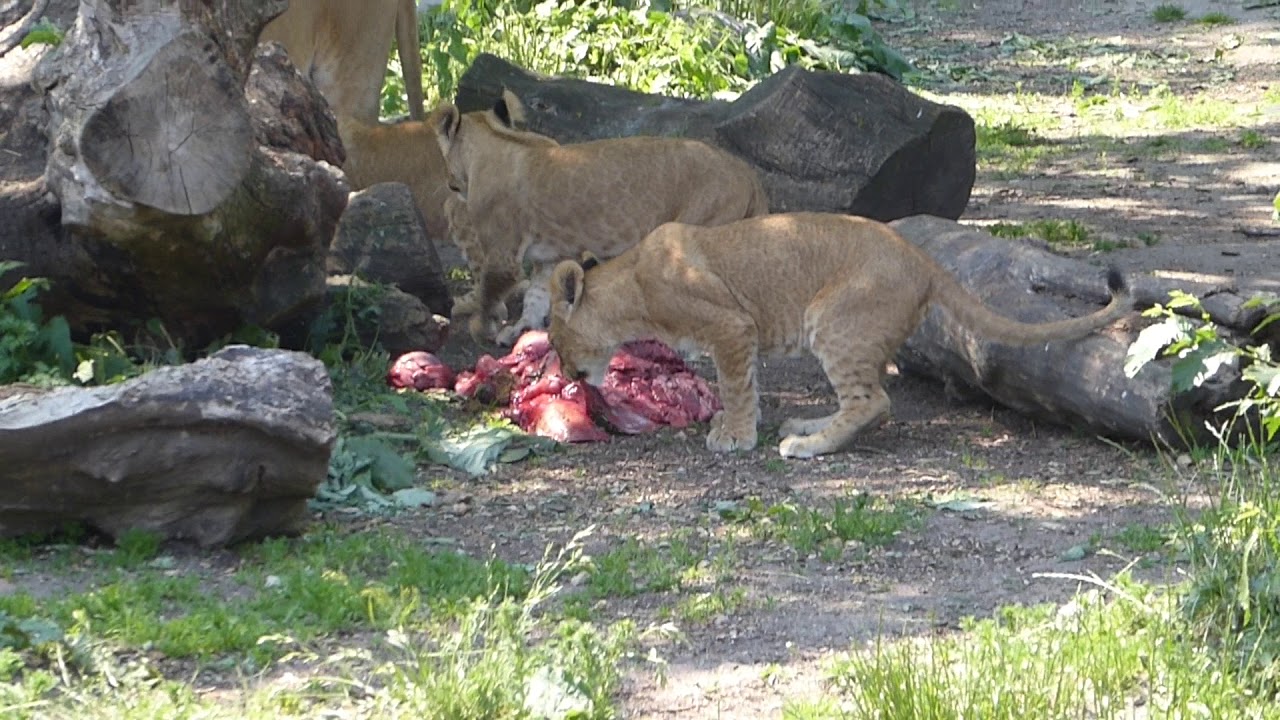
<point>758,618</point>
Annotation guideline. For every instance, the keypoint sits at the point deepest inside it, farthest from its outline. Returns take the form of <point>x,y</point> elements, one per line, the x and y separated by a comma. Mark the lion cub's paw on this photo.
<point>798,446</point>
<point>722,439</point>
<point>511,333</point>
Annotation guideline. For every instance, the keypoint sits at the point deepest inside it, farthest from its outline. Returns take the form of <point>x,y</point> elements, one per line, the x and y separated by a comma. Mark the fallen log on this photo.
<point>1080,384</point>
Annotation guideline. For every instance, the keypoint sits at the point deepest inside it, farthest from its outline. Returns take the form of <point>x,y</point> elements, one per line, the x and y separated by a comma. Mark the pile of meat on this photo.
<point>647,386</point>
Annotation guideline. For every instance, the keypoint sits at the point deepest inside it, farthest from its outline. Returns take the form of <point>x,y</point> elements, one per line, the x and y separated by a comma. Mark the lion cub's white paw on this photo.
<point>722,439</point>
<point>797,446</point>
<point>511,333</point>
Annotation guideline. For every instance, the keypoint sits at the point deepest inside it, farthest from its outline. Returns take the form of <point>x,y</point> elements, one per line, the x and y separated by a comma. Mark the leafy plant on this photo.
<point>31,348</point>
<point>696,49</point>
<point>1201,352</point>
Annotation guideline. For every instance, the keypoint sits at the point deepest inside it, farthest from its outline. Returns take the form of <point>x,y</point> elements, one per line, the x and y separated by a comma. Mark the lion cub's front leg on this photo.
<point>537,305</point>
<point>734,428</point>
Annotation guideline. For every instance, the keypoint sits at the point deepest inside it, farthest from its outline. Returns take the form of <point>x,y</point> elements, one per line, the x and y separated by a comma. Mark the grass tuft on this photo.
<point>1168,13</point>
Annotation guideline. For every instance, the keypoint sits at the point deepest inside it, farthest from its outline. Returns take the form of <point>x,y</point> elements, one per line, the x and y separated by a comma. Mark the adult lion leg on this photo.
<point>486,302</point>
<point>734,427</point>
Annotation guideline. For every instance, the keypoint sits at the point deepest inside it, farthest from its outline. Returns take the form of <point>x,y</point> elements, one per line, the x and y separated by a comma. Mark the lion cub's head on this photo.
<point>580,329</point>
<point>466,139</point>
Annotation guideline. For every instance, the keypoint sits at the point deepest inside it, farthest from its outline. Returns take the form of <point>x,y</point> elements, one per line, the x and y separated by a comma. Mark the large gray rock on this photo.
<point>403,323</point>
<point>224,449</point>
<point>381,237</point>
<point>831,142</point>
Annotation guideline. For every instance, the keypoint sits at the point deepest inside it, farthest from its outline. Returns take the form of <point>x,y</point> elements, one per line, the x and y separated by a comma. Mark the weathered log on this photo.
<point>824,141</point>
<point>1081,383</point>
<point>287,111</point>
<point>224,449</point>
<point>154,199</point>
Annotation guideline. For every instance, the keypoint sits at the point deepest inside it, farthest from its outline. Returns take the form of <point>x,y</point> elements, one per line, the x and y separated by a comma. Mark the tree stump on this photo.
<point>155,200</point>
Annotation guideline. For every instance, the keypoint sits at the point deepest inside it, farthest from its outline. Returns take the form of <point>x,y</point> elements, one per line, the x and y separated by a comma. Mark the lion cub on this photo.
<point>848,289</point>
<point>531,199</point>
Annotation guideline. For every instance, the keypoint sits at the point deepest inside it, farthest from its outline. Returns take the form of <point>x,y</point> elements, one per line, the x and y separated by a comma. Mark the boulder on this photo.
<point>220,450</point>
<point>822,141</point>
<point>382,238</point>
<point>403,322</point>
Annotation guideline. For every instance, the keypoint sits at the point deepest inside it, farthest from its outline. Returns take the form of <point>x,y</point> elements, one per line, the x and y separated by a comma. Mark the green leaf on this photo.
<point>1075,552</point>
<point>1147,346</point>
<point>43,33</point>
<point>1197,365</point>
<point>414,497</point>
<point>388,469</point>
<point>473,451</point>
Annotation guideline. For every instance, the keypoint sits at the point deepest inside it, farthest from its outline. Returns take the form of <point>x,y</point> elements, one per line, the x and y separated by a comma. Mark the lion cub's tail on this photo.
<point>972,314</point>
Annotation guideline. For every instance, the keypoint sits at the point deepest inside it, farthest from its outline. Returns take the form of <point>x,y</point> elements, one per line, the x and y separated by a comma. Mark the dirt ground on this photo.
<point>1049,489</point>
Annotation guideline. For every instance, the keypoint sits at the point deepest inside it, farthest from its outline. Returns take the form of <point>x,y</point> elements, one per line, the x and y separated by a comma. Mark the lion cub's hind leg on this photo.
<point>863,402</point>
<point>853,349</point>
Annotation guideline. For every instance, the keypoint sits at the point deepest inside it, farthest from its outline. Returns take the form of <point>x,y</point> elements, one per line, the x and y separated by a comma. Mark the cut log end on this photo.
<point>177,137</point>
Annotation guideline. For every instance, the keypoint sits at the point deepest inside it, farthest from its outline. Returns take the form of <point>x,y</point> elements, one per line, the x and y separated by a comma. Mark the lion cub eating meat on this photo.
<point>848,289</point>
<point>531,199</point>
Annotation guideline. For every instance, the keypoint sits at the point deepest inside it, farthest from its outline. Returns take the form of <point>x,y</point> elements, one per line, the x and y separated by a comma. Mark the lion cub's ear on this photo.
<point>589,260</point>
<point>448,120</point>
<point>566,287</point>
<point>510,110</point>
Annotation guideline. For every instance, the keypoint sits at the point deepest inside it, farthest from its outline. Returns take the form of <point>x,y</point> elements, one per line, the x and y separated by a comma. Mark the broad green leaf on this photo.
<point>1198,365</point>
<point>414,497</point>
<point>473,451</point>
<point>389,470</point>
<point>1147,346</point>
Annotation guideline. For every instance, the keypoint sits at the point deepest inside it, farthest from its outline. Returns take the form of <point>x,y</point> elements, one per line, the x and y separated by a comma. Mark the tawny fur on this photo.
<point>848,289</point>
<point>533,200</point>
<point>407,152</point>
<point>342,46</point>
<point>404,152</point>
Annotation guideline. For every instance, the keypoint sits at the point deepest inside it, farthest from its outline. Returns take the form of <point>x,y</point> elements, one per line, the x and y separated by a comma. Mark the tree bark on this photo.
<point>155,199</point>
<point>1081,383</point>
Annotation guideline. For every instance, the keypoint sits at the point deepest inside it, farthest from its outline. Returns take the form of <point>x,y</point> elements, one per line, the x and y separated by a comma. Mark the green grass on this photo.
<point>1252,140</point>
<point>635,567</point>
<point>858,521</point>
<point>1098,656</point>
<point>305,588</point>
<point>1137,538</point>
<point>1062,233</point>
<point>1216,18</point>
<point>444,636</point>
<point>1168,13</point>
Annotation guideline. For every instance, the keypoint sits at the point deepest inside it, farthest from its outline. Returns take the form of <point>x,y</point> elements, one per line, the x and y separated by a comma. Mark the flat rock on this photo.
<point>220,450</point>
